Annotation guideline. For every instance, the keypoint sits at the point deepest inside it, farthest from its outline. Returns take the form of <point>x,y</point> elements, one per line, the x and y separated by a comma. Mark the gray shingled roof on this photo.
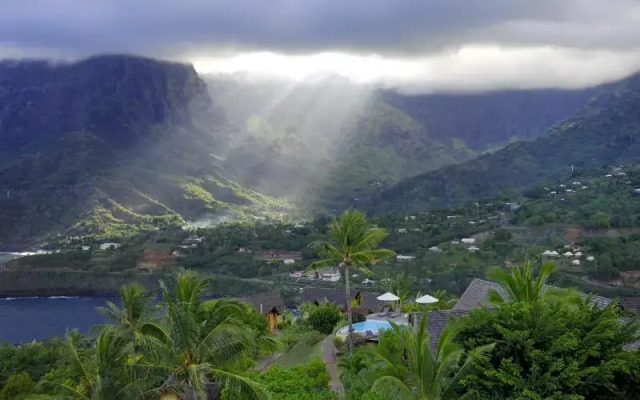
<point>630,303</point>
<point>337,297</point>
<point>265,302</point>
<point>437,321</point>
<point>477,295</point>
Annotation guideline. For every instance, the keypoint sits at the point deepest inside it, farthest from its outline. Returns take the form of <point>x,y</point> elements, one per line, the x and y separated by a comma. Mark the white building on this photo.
<point>402,230</point>
<point>404,258</point>
<point>86,248</point>
<point>435,249</point>
<point>473,249</point>
<point>289,261</point>
<point>568,254</point>
<point>575,262</point>
<point>468,240</point>
<point>330,276</point>
<point>578,254</point>
<point>550,253</point>
<point>107,246</point>
<point>590,258</point>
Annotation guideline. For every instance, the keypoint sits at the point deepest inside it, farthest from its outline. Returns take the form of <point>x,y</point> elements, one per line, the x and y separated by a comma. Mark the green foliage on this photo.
<point>560,350</point>
<point>358,316</point>
<point>324,317</point>
<point>312,337</point>
<point>32,359</point>
<point>309,381</point>
<point>612,255</point>
<point>520,284</point>
<point>354,245</point>
<point>189,343</point>
<point>17,387</point>
<point>425,375</point>
<point>604,132</point>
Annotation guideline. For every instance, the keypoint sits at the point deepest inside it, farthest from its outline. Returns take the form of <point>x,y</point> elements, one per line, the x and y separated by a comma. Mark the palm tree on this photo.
<point>130,320</point>
<point>422,375</point>
<point>520,284</point>
<point>353,245</point>
<point>197,342</point>
<point>103,375</point>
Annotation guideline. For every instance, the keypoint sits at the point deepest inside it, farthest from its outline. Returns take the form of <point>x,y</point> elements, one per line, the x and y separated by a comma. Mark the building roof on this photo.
<point>265,302</point>
<point>337,296</point>
<point>437,322</point>
<point>477,295</point>
<point>630,303</point>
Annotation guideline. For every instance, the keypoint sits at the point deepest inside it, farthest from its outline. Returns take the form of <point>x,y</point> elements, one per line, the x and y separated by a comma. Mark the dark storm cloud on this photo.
<point>394,27</point>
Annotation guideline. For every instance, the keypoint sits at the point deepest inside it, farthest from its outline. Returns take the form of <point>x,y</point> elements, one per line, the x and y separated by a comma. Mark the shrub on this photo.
<point>17,386</point>
<point>358,316</point>
<point>340,344</point>
<point>324,317</point>
<point>309,381</point>
<point>312,337</point>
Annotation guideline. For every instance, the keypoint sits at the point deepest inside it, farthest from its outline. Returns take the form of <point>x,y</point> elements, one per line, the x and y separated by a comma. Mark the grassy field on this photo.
<point>299,353</point>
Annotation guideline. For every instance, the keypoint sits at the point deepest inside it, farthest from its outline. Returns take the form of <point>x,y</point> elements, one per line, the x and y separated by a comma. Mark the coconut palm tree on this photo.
<point>196,342</point>
<point>102,375</point>
<point>519,284</point>
<point>423,375</point>
<point>353,245</point>
<point>129,321</point>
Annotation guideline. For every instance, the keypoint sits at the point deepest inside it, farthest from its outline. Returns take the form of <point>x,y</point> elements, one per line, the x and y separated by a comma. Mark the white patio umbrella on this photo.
<point>426,299</point>
<point>388,297</point>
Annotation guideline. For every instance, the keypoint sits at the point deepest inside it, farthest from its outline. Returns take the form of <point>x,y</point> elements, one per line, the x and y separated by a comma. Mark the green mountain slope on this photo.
<point>326,141</point>
<point>107,147</point>
<point>607,130</point>
<point>490,120</point>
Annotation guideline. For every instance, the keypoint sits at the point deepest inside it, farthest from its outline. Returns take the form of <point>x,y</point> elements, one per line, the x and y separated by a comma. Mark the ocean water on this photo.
<point>23,319</point>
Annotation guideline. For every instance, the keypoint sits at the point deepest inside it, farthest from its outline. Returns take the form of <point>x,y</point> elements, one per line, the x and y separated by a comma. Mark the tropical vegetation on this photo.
<point>353,245</point>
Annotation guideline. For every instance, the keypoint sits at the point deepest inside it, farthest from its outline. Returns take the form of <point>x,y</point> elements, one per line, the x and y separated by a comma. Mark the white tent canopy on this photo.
<point>388,297</point>
<point>426,299</point>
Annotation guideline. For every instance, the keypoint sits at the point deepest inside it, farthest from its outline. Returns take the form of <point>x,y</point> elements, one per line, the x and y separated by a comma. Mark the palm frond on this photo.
<point>393,388</point>
<point>242,387</point>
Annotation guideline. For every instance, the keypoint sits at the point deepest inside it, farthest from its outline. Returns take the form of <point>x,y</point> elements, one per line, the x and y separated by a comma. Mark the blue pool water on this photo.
<point>372,325</point>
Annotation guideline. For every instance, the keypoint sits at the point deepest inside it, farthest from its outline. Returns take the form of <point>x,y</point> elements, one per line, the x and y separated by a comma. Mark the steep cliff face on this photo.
<point>117,98</point>
<point>107,146</point>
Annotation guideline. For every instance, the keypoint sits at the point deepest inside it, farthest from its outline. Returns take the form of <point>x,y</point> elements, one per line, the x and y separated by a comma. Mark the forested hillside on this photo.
<point>605,131</point>
<point>326,141</point>
<point>112,145</point>
<point>107,147</point>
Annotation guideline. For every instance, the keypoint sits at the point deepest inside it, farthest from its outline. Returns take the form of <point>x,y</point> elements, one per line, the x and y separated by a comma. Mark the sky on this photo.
<point>414,45</point>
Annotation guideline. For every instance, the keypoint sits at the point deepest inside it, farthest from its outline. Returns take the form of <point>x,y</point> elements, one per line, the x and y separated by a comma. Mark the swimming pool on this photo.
<point>372,325</point>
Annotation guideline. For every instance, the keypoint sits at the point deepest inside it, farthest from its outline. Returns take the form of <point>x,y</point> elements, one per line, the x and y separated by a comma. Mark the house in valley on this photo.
<point>269,304</point>
<point>109,246</point>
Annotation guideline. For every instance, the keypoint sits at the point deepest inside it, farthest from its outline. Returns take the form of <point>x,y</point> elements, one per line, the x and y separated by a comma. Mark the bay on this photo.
<point>24,319</point>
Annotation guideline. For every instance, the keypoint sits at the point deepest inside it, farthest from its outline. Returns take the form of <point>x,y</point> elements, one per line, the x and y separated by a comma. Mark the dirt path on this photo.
<point>329,358</point>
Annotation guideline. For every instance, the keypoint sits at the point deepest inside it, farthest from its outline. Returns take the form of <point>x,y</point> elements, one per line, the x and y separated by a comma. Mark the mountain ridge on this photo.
<point>607,130</point>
